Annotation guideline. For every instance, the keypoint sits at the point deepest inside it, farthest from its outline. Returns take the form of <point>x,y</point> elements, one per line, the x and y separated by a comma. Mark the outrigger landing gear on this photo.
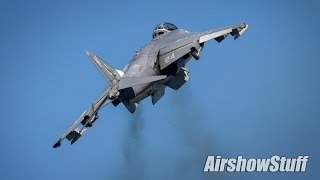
<point>74,135</point>
<point>77,135</point>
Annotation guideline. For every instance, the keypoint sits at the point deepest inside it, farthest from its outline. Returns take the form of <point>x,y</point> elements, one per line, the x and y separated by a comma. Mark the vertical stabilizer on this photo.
<point>110,74</point>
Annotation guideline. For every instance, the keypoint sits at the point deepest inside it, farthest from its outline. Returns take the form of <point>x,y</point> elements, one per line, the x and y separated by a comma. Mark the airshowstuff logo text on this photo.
<point>240,164</point>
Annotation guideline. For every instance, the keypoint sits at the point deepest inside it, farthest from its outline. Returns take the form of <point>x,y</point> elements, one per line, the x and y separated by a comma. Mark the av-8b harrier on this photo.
<point>159,64</point>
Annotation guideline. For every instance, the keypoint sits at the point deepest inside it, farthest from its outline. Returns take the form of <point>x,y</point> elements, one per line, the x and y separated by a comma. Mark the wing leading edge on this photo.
<point>221,33</point>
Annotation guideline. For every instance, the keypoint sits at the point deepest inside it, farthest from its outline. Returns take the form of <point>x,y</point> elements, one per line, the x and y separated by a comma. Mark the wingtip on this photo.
<point>243,25</point>
<point>87,52</point>
<point>57,144</point>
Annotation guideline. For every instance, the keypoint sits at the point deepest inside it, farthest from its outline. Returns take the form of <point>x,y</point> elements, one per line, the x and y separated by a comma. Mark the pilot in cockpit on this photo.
<point>163,28</point>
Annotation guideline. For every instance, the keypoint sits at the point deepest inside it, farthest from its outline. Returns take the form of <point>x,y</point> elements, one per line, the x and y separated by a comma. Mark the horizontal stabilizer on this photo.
<point>134,81</point>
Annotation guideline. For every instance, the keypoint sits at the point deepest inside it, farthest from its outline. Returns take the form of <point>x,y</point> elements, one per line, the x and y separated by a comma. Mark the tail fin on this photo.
<point>110,74</point>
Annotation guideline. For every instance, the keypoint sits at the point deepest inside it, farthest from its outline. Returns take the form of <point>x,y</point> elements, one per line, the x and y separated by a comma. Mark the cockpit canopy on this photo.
<point>162,28</point>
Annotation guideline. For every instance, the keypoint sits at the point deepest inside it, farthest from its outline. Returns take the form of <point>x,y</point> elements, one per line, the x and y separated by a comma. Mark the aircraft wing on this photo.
<point>80,126</point>
<point>194,43</point>
<point>221,33</point>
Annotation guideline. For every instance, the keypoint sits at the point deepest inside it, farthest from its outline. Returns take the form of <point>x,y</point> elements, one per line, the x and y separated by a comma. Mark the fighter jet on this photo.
<point>159,64</point>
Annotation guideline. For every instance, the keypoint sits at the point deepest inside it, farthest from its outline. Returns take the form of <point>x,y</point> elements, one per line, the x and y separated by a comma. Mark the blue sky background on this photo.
<point>257,96</point>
